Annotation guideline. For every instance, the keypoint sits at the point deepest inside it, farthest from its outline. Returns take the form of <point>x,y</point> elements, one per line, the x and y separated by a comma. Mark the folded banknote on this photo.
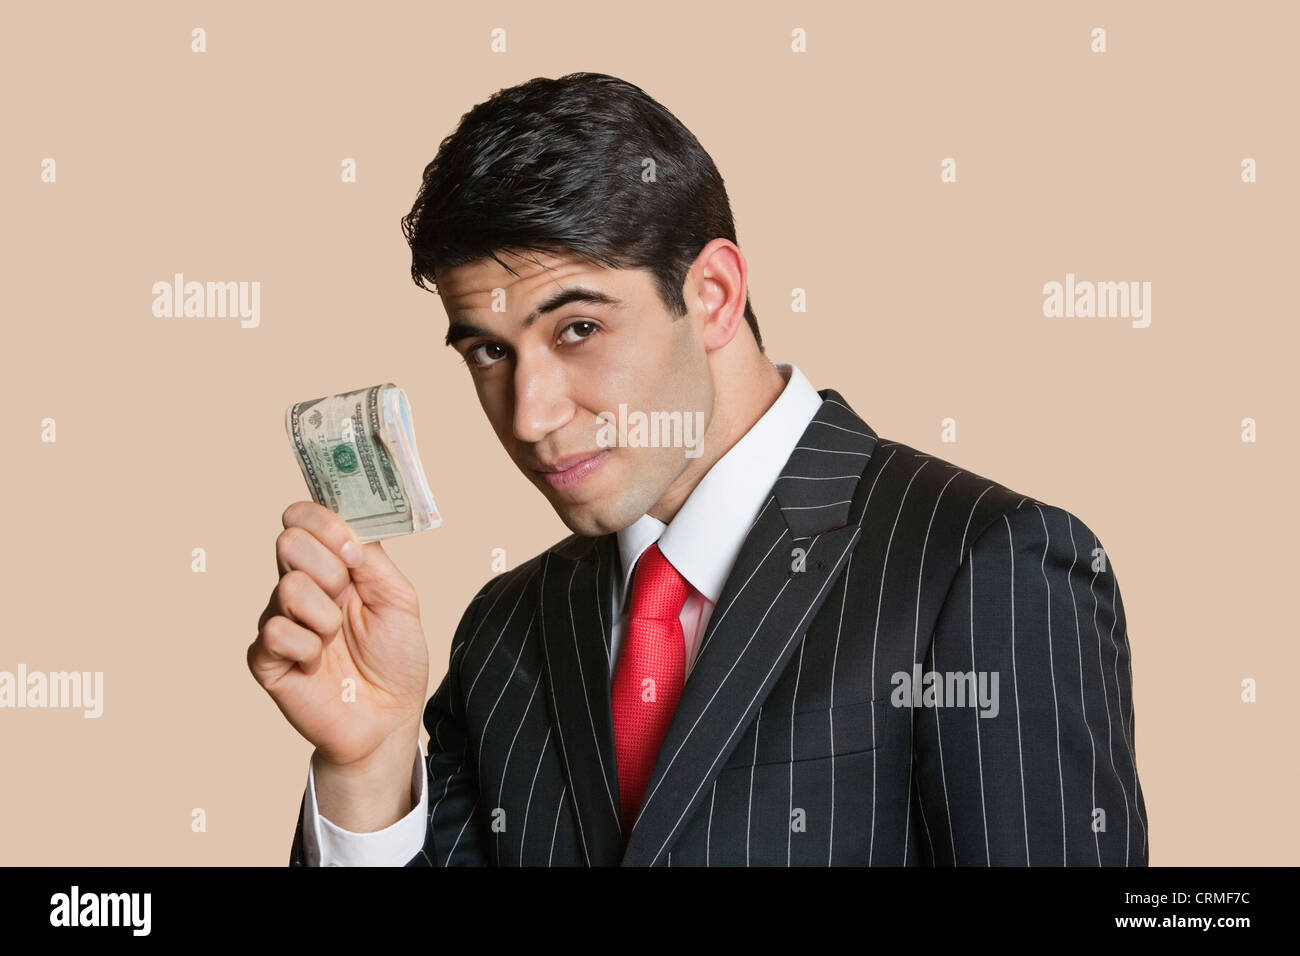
<point>357,452</point>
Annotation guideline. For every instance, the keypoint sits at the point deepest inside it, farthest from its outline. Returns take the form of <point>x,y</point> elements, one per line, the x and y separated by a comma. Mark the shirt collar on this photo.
<point>705,536</point>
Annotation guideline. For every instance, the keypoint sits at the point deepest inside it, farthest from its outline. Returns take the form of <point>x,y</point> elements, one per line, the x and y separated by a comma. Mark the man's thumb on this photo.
<point>378,581</point>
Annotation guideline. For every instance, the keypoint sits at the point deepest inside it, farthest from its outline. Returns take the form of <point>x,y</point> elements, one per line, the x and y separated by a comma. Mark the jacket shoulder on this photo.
<point>516,578</point>
<point>950,506</point>
<point>954,504</point>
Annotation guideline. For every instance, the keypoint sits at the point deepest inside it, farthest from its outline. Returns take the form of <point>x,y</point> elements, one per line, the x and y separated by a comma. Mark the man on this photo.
<point>790,642</point>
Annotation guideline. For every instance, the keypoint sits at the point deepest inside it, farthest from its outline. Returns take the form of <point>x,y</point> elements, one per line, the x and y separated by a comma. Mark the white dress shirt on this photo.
<point>701,542</point>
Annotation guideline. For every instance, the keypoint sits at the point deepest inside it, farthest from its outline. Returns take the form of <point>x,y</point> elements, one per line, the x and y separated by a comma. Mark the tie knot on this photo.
<point>658,589</point>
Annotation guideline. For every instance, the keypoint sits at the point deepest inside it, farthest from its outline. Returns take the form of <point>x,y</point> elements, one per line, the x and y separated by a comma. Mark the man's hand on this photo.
<point>340,647</point>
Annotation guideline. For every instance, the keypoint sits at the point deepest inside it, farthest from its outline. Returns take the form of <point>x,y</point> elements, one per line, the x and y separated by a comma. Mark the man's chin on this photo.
<point>580,519</point>
<point>594,518</point>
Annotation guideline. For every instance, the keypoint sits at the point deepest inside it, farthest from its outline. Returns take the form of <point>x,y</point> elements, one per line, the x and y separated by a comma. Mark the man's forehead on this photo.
<point>541,275</point>
<point>487,273</point>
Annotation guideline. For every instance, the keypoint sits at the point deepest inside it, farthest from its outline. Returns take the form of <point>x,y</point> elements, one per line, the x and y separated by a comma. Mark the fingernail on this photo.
<point>351,552</point>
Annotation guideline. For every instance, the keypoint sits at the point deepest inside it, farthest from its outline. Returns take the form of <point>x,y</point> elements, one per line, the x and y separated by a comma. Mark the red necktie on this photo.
<point>649,677</point>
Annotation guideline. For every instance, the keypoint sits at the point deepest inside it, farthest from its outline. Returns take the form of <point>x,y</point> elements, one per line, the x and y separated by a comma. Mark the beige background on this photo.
<point>924,302</point>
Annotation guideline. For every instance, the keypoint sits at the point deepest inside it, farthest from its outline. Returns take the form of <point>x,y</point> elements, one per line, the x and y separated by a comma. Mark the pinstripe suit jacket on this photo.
<point>869,559</point>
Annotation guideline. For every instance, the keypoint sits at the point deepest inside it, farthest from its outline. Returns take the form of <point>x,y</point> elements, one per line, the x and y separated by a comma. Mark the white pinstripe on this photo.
<point>511,749</point>
<point>708,834</point>
<point>1110,749</point>
<point>1015,686</point>
<point>763,511</point>
<point>437,733</point>
<point>749,810</point>
<point>830,714</point>
<point>916,633</point>
<point>875,642</point>
<point>979,751</point>
<point>794,708</point>
<point>851,431</point>
<point>1051,666</point>
<point>446,787</point>
<point>1119,702</point>
<point>832,451</point>
<point>925,824</point>
<point>461,833</point>
<point>961,552</point>
<point>528,807</point>
<point>1131,742</point>
<point>979,747</point>
<point>911,745</point>
<point>1083,700</point>
<point>555,828</point>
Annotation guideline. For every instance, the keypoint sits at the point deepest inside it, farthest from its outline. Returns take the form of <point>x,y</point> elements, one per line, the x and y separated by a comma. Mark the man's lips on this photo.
<point>568,461</point>
<point>568,471</point>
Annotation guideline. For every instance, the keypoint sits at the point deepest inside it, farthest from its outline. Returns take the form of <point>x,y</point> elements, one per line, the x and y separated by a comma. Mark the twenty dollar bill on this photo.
<point>357,452</point>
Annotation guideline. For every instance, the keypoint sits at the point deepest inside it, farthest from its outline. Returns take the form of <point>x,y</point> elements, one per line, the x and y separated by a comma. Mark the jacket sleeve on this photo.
<point>1041,770</point>
<point>451,836</point>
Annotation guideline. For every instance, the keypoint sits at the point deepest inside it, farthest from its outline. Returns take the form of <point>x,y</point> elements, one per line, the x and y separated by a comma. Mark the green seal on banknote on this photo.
<point>345,459</point>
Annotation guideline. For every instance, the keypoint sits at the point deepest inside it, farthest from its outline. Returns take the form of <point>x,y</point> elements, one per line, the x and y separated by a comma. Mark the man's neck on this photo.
<point>737,406</point>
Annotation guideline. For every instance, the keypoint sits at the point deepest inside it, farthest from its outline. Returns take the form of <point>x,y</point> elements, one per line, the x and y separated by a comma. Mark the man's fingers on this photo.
<point>298,549</point>
<point>301,599</point>
<point>327,527</point>
<point>378,581</point>
<point>282,641</point>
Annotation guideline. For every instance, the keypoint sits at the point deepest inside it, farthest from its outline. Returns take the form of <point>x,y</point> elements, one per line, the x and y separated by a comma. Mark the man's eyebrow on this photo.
<point>461,328</point>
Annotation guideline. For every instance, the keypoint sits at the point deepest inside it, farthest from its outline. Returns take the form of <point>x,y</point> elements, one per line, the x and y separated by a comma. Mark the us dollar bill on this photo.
<point>358,455</point>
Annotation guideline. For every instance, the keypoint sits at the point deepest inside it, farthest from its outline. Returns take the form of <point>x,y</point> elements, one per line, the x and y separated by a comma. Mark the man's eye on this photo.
<point>581,322</point>
<point>472,359</point>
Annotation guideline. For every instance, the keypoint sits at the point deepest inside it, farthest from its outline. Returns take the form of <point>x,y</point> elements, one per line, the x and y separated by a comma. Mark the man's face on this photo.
<point>545,387</point>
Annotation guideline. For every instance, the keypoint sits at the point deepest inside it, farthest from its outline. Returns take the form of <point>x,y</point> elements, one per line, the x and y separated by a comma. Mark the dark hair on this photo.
<point>555,165</point>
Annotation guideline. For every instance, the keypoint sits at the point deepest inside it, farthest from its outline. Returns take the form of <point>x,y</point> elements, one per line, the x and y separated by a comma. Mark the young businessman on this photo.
<point>792,642</point>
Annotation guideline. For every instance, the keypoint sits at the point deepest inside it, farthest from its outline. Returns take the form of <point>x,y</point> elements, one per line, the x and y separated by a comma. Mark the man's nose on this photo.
<point>541,400</point>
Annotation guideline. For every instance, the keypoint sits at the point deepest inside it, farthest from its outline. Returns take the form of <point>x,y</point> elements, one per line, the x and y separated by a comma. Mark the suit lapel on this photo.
<point>575,615</point>
<point>793,553</point>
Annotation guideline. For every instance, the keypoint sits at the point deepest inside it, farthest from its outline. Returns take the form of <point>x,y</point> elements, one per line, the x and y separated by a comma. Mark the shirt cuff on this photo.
<point>325,844</point>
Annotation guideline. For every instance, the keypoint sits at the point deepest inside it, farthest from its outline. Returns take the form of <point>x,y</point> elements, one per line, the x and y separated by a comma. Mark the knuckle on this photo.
<point>338,580</point>
<point>274,634</point>
<point>338,531</point>
<point>289,541</point>
<point>293,585</point>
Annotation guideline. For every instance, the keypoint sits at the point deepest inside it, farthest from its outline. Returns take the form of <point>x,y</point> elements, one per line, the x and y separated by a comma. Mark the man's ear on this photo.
<point>717,282</point>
